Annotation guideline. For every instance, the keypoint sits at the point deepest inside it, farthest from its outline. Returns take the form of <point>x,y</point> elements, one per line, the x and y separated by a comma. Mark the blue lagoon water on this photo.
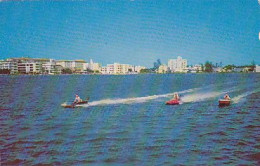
<point>127,121</point>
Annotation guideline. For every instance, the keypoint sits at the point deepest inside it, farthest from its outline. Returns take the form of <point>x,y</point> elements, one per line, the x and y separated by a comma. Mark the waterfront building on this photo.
<point>117,68</point>
<point>246,69</point>
<point>94,66</point>
<point>111,69</point>
<point>137,69</point>
<point>29,67</point>
<point>177,65</point>
<point>217,69</point>
<point>12,66</point>
<point>163,69</point>
<point>238,69</point>
<point>127,69</point>
<point>74,65</point>
<point>257,68</point>
<point>104,70</point>
<point>30,60</point>
<point>114,68</point>
<point>193,68</point>
<point>197,68</point>
<point>51,68</point>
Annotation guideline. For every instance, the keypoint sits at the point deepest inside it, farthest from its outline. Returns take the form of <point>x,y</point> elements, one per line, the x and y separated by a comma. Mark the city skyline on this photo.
<point>132,32</point>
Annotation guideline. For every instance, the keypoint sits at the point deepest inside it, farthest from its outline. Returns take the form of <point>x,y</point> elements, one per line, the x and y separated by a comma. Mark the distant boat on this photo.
<point>74,104</point>
<point>224,102</point>
<point>173,102</point>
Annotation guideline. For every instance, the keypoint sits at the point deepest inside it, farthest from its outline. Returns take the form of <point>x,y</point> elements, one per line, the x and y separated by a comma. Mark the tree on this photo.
<point>252,67</point>
<point>157,64</point>
<point>253,63</point>
<point>208,67</point>
<point>89,70</point>
<point>229,67</point>
<point>66,71</point>
<point>145,71</point>
<point>202,67</point>
<point>5,71</point>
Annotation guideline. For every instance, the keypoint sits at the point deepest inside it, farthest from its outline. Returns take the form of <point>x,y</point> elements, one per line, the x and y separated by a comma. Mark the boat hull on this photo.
<point>74,104</point>
<point>173,102</point>
<point>223,102</point>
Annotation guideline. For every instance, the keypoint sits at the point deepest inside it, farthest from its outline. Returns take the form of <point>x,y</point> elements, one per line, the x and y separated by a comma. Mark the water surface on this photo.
<point>127,122</point>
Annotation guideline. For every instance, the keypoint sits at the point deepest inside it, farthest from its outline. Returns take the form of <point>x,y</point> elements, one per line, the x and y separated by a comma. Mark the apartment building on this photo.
<point>12,66</point>
<point>117,68</point>
<point>51,68</point>
<point>94,66</point>
<point>177,65</point>
<point>74,65</point>
<point>29,67</point>
<point>163,69</point>
<point>137,69</point>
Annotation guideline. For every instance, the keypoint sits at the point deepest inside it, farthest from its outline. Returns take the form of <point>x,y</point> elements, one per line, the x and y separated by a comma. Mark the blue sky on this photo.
<point>133,32</point>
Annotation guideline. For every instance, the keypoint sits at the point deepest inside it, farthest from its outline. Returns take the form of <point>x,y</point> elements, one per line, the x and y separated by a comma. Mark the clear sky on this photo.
<point>133,32</point>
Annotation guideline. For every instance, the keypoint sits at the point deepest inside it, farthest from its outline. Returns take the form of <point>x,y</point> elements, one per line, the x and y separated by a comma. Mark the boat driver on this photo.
<point>176,96</point>
<point>77,99</point>
<point>226,97</point>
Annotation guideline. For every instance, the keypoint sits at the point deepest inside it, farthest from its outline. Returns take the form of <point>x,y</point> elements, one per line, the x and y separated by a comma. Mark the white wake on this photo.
<point>241,97</point>
<point>133,99</point>
<point>202,96</point>
<point>187,98</point>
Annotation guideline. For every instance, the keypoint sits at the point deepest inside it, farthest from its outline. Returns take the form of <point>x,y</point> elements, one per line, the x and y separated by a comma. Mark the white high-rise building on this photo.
<point>177,65</point>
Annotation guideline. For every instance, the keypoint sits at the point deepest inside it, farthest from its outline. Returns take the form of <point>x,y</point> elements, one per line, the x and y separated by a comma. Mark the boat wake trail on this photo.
<point>200,97</point>
<point>196,97</point>
<point>133,100</point>
<point>241,97</point>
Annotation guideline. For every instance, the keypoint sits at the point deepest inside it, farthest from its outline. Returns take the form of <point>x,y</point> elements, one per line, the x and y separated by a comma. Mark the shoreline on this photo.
<point>127,74</point>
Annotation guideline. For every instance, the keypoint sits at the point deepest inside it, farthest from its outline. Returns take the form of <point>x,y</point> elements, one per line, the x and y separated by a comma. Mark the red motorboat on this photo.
<point>224,102</point>
<point>173,102</point>
<point>75,104</point>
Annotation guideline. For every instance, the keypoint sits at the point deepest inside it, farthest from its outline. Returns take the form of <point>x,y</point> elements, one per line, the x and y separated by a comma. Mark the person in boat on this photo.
<point>77,99</point>
<point>226,97</point>
<point>176,96</point>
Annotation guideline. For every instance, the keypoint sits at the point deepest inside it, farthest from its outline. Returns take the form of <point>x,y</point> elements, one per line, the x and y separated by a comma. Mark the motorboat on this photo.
<point>173,102</point>
<point>75,104</point>
<point>224,102</point>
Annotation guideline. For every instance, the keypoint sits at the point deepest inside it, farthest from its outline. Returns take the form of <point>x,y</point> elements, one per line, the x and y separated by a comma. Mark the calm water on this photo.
<point>127,122</point>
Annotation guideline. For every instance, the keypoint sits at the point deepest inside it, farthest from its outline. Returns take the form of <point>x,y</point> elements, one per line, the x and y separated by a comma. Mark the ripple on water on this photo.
<point>218,133</point>
<point>254,156</point>
<point>146,133</point>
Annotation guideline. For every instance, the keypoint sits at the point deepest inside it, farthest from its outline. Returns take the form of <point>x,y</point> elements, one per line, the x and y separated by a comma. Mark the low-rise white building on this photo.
<point>194,69</point>
<point>118,68</point>
<point>257,68</point>
<point>137,69</point>
<point>217,69</point>
<point>29,67</point>
<point>163,69</point>
<point>94,66</point>
<point>12,66</point>
<point>74,65</point>
<point>51,67</point>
